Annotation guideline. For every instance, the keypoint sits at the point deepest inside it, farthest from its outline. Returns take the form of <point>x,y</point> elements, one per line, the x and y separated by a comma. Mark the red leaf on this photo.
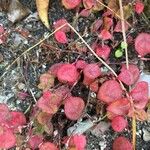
<point>142,44</point>
<point>61,22</point>
<point>35,141</point>
<point>105,35</point>
<point>74,107</point>
<point>109,91</point>
<point>139,7</point>
<point>61,37</point>
<point>119,107</point>
<point>67,73</point>
<point>103,51</point>
<point>7,138</point>
<point>140,94</point>
<point>122,143</point>
<point>129,76</point>
<point>91,72</point>
<point>48,146</point>
<point>119,123</point>
<point>71,4</point>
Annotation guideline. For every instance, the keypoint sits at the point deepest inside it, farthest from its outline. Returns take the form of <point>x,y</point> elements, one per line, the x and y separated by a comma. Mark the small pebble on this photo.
<point>146,135</point>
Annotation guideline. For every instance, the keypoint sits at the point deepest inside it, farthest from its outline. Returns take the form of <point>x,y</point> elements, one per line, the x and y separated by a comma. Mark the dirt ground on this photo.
<point>23,76</point>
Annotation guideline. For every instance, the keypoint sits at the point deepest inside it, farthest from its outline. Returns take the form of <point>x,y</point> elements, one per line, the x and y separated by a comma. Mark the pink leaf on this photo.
<point>80,64</point>
<point>4,113</point>
<point>17,119</point>
<point>85,12</point>
<point>61,22</point>
<point>67,73</point>
<point>129,76</point>
<point>54,69</point>
<point>88,4</point>
<point>105,35</point>
<point>2,30</point>
<point>103,51</point>
<point>78,141</point>
<point>140,94</point>
<point>118,27</point>
<point>71,4</point>
<point>46,105</point>
<point>119,123</point>
<point>7,138</point>
<point>74,107</point>
<point>48,146</point>
<point>35,141</point>
<point>122,143</point>
<point>96,25</point>
<point>61,37</point>
<point>108,22</point>
<point>119,107</point>
<point>142,44</point>
<point>94,86</point>
<point>109,91</point>
<point>139,7</point>
<point>91,72</point>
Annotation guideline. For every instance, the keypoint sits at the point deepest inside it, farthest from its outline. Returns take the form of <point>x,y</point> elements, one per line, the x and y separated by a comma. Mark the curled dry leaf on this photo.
<point>42,8</point>
<point>93,5</point>
<point>16,11</point>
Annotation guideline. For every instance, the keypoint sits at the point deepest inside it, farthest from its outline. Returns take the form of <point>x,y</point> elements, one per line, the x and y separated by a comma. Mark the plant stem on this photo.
<point>123,32</point>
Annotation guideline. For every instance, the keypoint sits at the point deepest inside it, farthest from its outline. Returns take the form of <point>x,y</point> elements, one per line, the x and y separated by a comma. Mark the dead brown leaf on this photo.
<point>42,8</point>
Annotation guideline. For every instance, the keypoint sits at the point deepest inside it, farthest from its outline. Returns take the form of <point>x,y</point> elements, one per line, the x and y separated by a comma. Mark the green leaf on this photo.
<point>118,53</point>
<point>124,45</point>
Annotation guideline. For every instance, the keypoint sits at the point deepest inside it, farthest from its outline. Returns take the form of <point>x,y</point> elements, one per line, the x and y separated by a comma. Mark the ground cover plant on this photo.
<point>88,75</point>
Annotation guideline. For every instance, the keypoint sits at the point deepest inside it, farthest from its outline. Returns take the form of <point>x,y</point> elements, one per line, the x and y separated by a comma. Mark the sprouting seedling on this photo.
<point>119,52</point>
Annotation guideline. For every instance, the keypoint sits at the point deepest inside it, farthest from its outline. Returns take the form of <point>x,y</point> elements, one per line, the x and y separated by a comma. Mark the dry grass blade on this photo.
<point>134,132</point>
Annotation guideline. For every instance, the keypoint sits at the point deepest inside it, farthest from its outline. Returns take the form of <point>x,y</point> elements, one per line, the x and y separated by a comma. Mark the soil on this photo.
<point>23,75</point>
